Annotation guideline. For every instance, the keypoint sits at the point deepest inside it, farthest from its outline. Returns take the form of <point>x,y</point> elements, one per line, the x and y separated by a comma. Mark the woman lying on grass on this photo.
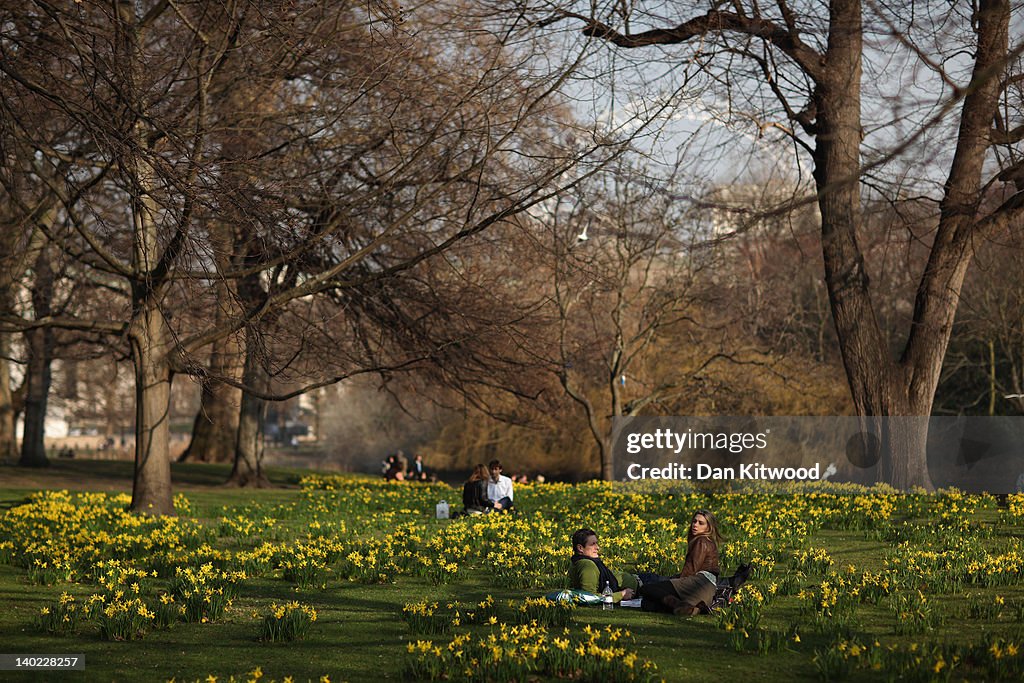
<point>587,571</point>
<point>692,589</point>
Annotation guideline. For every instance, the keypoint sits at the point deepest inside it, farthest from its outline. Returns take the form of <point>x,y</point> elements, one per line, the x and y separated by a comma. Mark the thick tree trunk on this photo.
<point>150,335</point>
<point>878,384</point>
<point>215,431</point>
<point>904,454</point>
<point>151,492</point>
<point>216,425</point>
<point>938,293</point>
<point>248,470</point>
<point>901,424</point>
<point>38,374</point>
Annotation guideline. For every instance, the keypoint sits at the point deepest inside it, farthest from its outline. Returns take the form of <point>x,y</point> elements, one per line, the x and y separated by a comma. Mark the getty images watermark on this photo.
<point>664,439</point>
<point>973,454</point>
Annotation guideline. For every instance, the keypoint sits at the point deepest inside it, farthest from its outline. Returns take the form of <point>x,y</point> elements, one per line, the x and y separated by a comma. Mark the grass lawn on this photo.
<point>852,584</point>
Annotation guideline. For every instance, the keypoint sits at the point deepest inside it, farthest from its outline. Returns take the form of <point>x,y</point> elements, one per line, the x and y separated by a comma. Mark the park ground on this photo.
<point>851,583</point>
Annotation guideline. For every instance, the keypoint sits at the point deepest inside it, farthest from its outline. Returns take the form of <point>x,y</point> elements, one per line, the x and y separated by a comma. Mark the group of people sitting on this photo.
<point>487,490</point>
<point>397,468</point>
<point>689,592</point>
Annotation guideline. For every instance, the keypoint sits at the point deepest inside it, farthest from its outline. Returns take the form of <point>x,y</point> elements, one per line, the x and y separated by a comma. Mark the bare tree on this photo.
<point>626,278</point>
<point>33,280</point>
<point>371,151</point>
<point>797,70</point>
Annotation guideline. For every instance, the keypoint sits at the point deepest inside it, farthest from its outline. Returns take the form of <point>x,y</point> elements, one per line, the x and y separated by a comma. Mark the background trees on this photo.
<point>867,93</point>
<point>253,159</point>
<point>984,371</point>
<point>626,277</point>
<point>271,197</point>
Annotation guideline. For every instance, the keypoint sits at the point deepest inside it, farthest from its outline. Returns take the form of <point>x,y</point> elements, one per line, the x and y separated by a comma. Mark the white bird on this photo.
<point>582,237</point>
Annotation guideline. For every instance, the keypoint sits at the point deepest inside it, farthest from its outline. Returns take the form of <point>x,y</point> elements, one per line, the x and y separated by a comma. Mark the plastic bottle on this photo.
<point>607,597</point>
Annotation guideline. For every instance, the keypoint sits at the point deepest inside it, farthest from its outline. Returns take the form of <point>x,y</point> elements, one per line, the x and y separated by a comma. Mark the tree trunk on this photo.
<point>247,470</point>
<point>605,451</point>
<point>215,430</point>
<point>938,293</point>
<point>615,388</point>
<point>150,336</point>
<point>38,374</point>
<point>992,387</point>
<point>11,270</point>
<point>8,411</point>
<point>8,436</point>
<point>879,386</point>
<point>904,451</point>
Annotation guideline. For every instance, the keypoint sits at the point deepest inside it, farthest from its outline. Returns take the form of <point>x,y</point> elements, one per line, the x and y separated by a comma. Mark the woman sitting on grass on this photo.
<point>587,571</point>
<point>691,590</point>
<point>474,493</point>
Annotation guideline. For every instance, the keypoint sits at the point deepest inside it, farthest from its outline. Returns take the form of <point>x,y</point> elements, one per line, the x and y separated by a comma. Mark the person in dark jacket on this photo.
<point>693,588</point>
<point>474,493</point>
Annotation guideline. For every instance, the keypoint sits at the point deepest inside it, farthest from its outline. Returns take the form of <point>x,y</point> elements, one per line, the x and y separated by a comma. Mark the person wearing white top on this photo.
<point>499,487</point>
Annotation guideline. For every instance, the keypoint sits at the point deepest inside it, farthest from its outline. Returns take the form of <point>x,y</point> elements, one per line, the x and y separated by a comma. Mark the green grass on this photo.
<point>360,635</point>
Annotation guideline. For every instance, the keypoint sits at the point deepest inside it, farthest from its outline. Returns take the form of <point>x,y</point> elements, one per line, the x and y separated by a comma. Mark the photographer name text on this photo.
<point>704,472</point>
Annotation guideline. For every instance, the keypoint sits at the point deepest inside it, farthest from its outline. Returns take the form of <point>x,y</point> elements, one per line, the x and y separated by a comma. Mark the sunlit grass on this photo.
<point>351,578</point>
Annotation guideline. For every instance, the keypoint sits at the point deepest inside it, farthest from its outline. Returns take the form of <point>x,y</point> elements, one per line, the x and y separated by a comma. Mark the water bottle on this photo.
<point>607,597</point>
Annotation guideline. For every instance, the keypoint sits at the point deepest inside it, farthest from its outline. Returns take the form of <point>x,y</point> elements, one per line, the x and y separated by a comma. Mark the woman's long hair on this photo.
<point>712,533</point>
<point>479,472</point>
